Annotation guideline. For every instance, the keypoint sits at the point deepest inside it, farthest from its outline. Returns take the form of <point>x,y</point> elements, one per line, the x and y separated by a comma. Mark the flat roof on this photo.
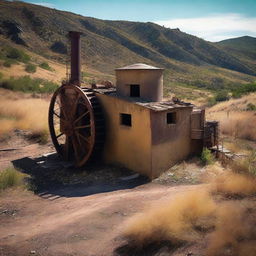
<point>164,105</point>
<point>155,106</point>
<point>138,66</point>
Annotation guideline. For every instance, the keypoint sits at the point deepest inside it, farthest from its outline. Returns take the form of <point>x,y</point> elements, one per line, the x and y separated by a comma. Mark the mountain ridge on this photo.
<point>109,44</point>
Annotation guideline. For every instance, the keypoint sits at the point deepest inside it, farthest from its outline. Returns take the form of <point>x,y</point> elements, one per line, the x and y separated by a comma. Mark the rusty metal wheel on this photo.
<point>76,124</point>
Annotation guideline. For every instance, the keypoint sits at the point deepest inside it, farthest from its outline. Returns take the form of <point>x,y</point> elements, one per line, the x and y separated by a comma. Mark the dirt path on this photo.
<point>85,225</point>
<point>79,218</point>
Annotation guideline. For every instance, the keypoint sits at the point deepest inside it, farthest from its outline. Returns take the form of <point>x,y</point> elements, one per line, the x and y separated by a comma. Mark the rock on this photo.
<point>32,252</point>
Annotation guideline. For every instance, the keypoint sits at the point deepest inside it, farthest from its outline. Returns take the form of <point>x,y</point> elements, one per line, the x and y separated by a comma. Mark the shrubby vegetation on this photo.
<point>30,68</point>
<point>16,54</point>
<point>46,66</point>
<point>234,92</point>
<point>251,107</point>
<point>207,157</point>
<point>10,178</point>
<point>28,84</point>
<point>11,55</point>
<point>242,89</point>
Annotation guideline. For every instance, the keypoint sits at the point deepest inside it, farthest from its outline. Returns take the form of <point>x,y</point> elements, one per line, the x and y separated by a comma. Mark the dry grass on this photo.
<point>234,120</point>
<point>25,114</point>
<point>233,234</point>
<point>10,177</point>
<point>195,215</point>
<point>234,104</point>
<point>234,184</point>
<point>172,221</point>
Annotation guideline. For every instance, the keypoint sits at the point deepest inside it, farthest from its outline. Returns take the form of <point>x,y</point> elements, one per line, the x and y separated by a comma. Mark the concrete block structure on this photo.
<point>128,124</point>
<point>143,132</point>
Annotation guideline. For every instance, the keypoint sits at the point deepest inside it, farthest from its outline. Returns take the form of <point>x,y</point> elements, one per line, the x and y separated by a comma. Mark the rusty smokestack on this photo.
<point>75,57</point>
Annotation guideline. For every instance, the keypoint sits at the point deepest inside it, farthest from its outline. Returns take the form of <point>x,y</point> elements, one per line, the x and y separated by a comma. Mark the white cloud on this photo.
<point>215,27</point>
<point>45,4</point>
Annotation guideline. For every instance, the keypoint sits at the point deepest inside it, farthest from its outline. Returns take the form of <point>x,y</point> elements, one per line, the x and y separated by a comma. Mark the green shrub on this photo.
<point>251,107</point>
<point>46,66</point>
<point>16,54</point>
<point>1,76</point>
<point>28,84</point>
<point>211,102</point>
<point>30,68</point>
<point>8,63</point>
<point>242,89</point>
<point>222,96</point>
<point>10,178</point>
<point>207,157</point>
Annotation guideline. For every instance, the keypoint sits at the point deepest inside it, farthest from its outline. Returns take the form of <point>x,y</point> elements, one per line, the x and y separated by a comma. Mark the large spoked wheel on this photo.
<point>72,123</point>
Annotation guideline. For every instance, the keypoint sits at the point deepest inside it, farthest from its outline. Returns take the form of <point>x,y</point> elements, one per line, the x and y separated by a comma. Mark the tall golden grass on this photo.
<point>172,220</point>
<point>195,214</point>
<point>234,232</point>
<point>26,114</point>
<point>233,117</point>
<point>237,124</point>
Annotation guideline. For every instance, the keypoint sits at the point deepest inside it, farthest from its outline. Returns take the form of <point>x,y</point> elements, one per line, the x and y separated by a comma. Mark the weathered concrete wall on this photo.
<point>197,123</point>
<point>150,81</point>
<point>170,142</point>
<point>127,146</point>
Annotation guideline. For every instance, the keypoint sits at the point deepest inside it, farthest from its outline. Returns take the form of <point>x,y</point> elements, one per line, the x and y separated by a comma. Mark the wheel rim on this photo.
<point>71,124</point>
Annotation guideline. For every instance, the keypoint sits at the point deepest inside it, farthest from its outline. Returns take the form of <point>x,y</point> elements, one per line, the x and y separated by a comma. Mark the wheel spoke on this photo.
<point>66,148</point>
<point>75,149</point>
<point>80,117</point>
<point>74,106</point>
<point>86,139</point>
<point>56,114</point>
<point>59,135</point>
<point>82,127</point>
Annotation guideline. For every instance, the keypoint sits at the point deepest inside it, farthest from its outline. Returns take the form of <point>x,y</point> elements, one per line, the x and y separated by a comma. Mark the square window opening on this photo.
<point>126,119</point>
<point>171,118</point>
<point>134,90</point>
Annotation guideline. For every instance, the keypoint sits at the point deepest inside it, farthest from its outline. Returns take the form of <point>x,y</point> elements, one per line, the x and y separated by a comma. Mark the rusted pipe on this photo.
<point>75,57</point>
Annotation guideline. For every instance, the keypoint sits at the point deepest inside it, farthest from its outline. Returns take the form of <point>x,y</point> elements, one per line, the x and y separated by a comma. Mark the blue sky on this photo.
<point>212,20</point>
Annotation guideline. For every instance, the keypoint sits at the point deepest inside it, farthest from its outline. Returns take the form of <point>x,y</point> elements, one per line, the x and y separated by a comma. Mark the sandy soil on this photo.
<point>82,225</point>
<point>74,219</point>
<point>80,212</point>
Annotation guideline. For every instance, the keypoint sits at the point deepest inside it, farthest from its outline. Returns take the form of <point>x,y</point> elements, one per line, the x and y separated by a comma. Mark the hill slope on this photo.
<point>243,48</point>
<point>110,44</point>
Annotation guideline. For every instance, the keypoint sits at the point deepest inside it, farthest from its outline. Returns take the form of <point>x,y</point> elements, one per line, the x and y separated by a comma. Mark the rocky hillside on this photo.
<point>109,44</point>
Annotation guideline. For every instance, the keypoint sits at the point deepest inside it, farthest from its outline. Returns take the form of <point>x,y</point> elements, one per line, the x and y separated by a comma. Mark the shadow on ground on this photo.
<point>50,177</point>
<point>160,248</point>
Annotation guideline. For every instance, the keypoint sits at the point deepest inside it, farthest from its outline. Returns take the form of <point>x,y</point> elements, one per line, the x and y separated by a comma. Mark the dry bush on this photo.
<point>234,104</point>
<point>26,114</point>
<point>245,165</point>
<point>233,234</point>
<point>173,221</point>
<point>228,226</point>
<point>233,117</point>
<point>237,124</point>
<point>234,184</point>
<point>10,177</point>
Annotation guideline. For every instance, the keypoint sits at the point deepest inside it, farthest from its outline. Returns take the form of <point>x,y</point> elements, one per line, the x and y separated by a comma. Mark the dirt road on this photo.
<point>83,215</point>
<point>82,225</point>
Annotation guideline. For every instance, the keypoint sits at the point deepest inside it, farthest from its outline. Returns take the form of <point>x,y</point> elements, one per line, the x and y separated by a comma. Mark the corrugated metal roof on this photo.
<point>137,66</point>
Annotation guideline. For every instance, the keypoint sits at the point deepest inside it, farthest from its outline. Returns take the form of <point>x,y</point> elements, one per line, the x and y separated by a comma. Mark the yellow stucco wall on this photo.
<point>150,81</point>
<point>128,146</point>
<point>170,142</point>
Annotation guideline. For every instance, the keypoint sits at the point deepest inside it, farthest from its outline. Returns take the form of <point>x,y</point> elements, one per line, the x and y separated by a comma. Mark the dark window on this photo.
<point>126,119</point>
<point>171,118</point>
<point>135,90</point>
